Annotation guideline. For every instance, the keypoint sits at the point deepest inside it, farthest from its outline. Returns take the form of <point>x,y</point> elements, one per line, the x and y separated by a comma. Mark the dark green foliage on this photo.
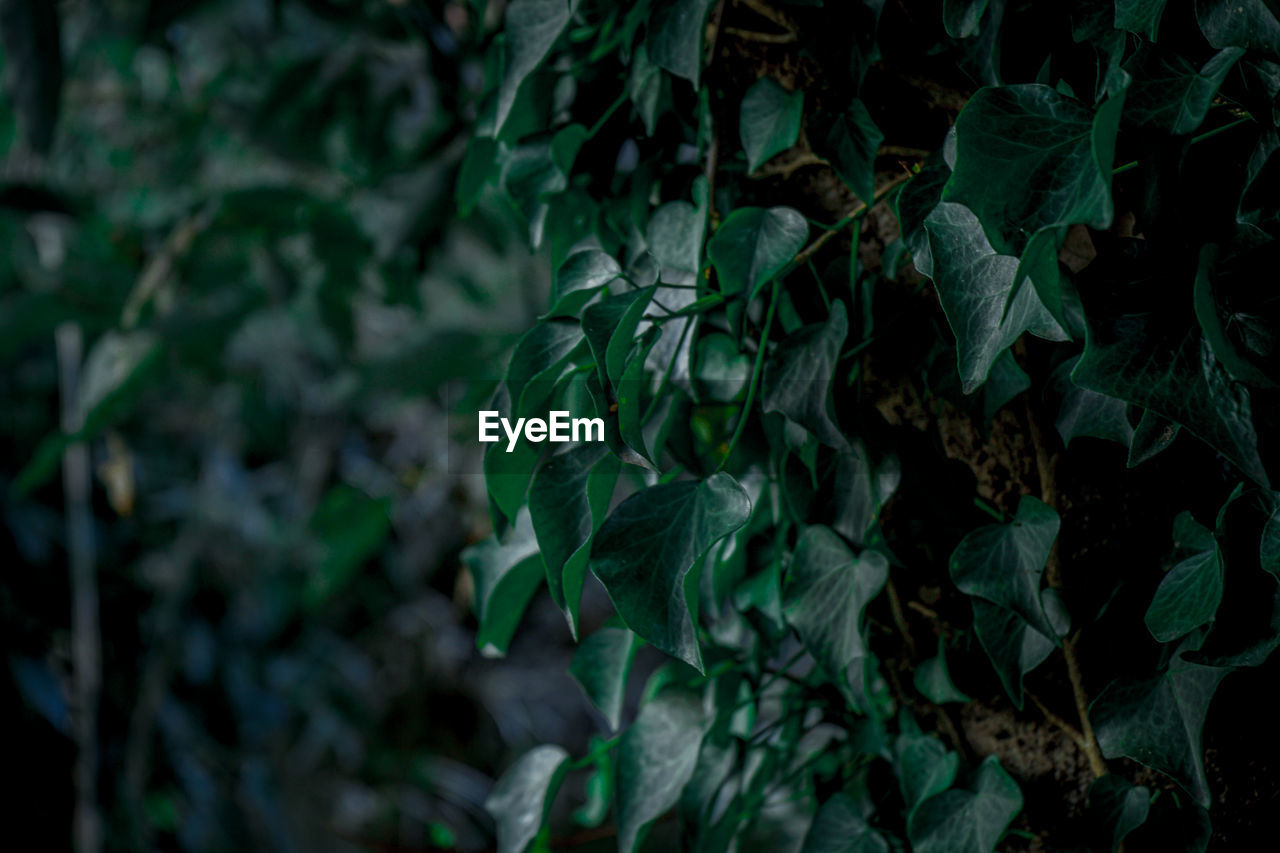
<point>915,330</point>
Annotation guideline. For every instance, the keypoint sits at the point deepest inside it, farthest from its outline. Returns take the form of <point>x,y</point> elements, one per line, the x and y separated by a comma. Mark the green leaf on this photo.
<point>753,245</point>
<point>1153,434</point>
<point>850,143</point>
<point>769,121</point>
<point>578,279</point>
<point>1269,547</point>
<point>933,679</point>
<point>350,527</point>
<point>826,591</point>
<point>1155,359</point>
<point>532,28</point>
<point>925,768</point>
<point>647,547</point>
<point>797,378</point>
<point>1003,563</point>
<point>1214,322</point>
<point>722,370</point>
<point>674,236</point>
<point>1140,16</point>
<point>479,169</point>
<point>1088,413</point>
<point>1006,381</point>
<point>610,328</point>
<point>521,800</point>
<point>1157,721</point>
<point>1011,643</point>
<point>1251,24</point>
<point>631,387</point>
<point>644,86</point>
<point>1167,91</point>
<point>506,575</point>
<point>1028,158</point>
<point>568,501</point>
<point>967,820</point>
<point>601,666</point>
<point>861,490</point>
<point>656,757</point>
<point>962,17</point>
<point>537,361</point>
<point>839,827</point>
<point>974,285</point>
<point>1118,808</point>
<point>1189,595</point>
<point>676,30</point>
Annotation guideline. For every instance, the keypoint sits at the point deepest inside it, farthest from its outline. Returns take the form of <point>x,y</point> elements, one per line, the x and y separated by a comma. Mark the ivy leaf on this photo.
<point>601,665</point>
<point>644,86</point>
<point>646,548</point>
<point>568,501</point>
<point>1088,413</point>
<point>1118,808</point>
<point>676,30</point>
<point>1269,547</point>
<point>656,758</point>
<point>536,362</point>
<point>506,574</point>
<point>610,328</point>
<point>631,386</point>
<point>797,378</point>
<point>962,17</point>
<point>477,171</point>
<point>839,827</point>
<point>850,142</point>
<point>674,236</point>
<point>1155,359</point>
<point>532,27</point>
<point>1168,92</point>
<point>769,121</point>
<point>1157,721</point>
<point>1153,434</point>
<point>925,768</point>
<point>974,285</point>
<point>521,800</point>
<point>1251,24</point>
<point>1006,380</point>
<point>826,591</point>
<point>967,820</point>
<point>578,279</point>
<point>1140,16</point>
<point>1003,563</point>
<point>753,245</point>
<point>861,489</point>
<point>1011,643</point>
<point>933,680</point>
<point>1029,158</point>
<point>723,370</point>
<point>1189,595</point>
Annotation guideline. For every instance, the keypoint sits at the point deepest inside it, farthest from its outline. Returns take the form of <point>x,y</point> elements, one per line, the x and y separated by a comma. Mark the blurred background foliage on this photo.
<point>233,274</point>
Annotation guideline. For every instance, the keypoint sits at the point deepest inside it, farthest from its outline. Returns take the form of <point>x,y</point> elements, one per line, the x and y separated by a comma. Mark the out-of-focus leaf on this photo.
<point>656,758</point>
<point>351,527</point>
<point>32,42</point>
<point>521,800</point>
<point>506,572</point>
<point>601,665</point>
<point>968,820</point>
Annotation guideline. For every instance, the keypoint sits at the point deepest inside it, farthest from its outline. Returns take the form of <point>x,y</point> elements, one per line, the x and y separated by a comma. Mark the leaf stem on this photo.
<point>1046,465</point>
<point>755,375</point>
<point>849,218</point>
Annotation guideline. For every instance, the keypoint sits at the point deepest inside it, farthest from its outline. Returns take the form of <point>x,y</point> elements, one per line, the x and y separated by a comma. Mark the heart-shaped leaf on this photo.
<point>753,245</point>
<point>769,121</point>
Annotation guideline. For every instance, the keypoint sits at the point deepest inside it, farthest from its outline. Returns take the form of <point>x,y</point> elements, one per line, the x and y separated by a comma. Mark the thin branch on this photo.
<point>900,618</point>
<point>1046,465</point>
<point>849,218</point>
<point>768,12</point>
<point>86,639</point>
<point>1067,729</point>
<point>763,38</point>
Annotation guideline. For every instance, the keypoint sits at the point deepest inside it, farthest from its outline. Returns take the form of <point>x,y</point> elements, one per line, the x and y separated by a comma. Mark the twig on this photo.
<point>1046,464</point>
<point>789,167</point>
<point>768,12</point>
<point>86,640</point>
<point>927,612</point>
<point>856,213</point>
<point>763,38</point>
<point>158,270</point>
<point>1067,729</point>
<point>899,618</point>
